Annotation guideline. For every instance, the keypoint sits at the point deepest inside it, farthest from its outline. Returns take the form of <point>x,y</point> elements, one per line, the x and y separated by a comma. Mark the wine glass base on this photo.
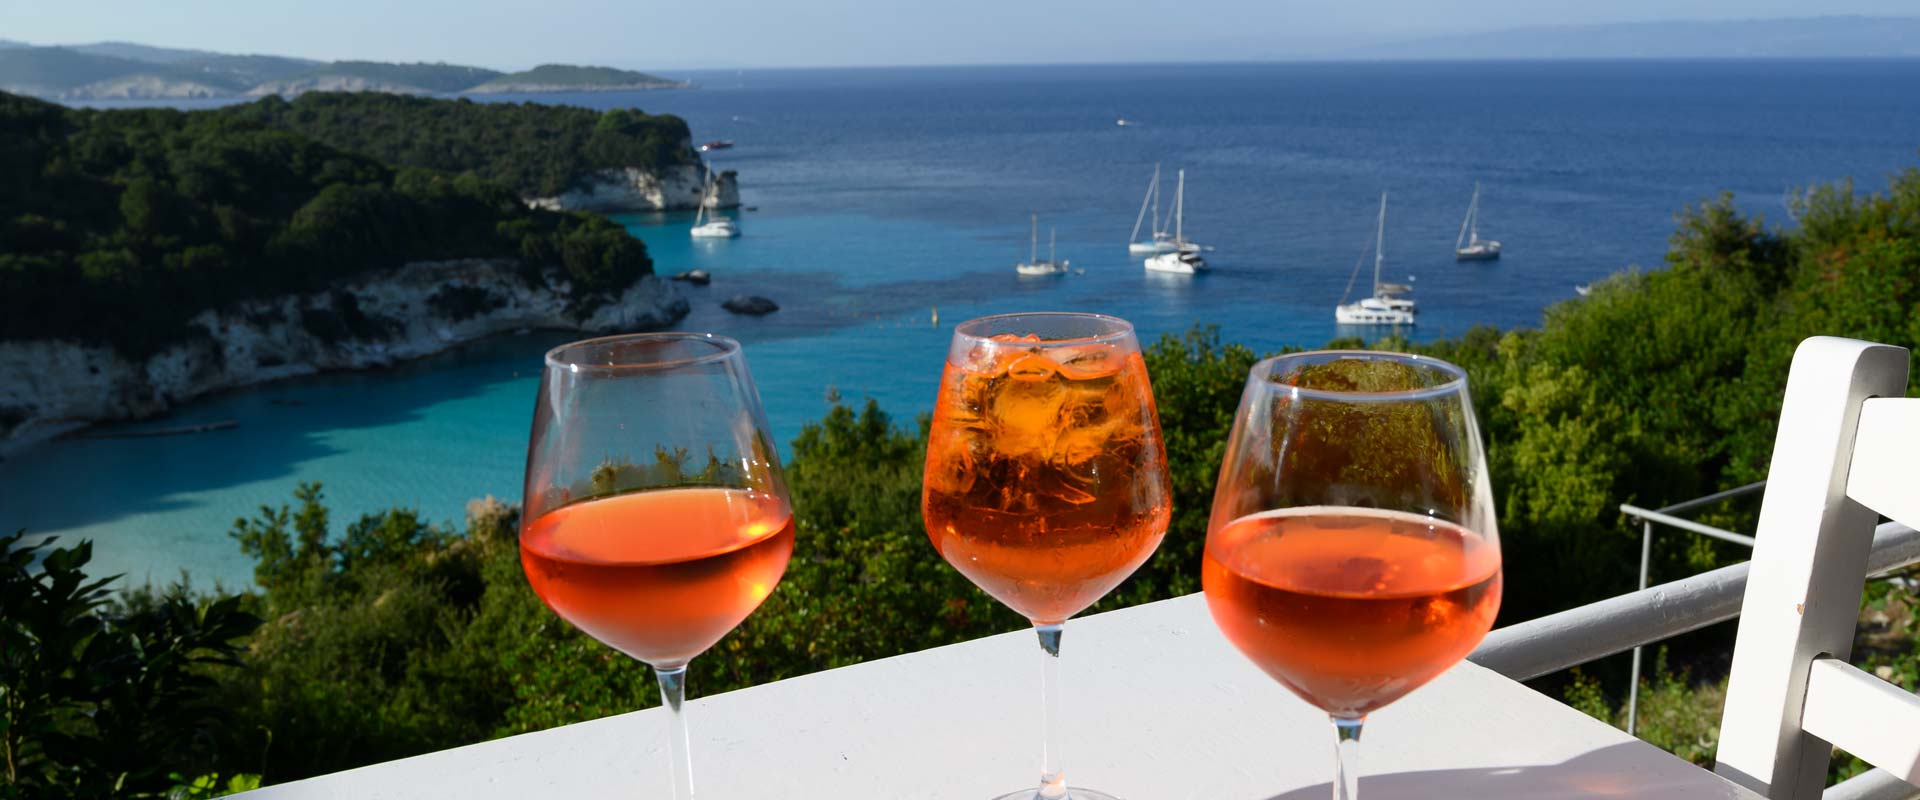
<point>1073,793</point>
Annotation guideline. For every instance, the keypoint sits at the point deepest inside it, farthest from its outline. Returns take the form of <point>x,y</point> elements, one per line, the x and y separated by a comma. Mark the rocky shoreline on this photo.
<point>418,310</point>
<point>678,188</point>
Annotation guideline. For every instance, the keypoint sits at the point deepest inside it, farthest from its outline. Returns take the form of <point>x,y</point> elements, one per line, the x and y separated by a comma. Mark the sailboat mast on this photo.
<point>1152,196</point>
<point>1473,214</point>
<point>1158,226</point>
<point>1053,237</point>
<point>706,190</point>
<point>1471,207</point>
<point>1033,248</point>
<point>1180,209</point>
<point>1380,245</point>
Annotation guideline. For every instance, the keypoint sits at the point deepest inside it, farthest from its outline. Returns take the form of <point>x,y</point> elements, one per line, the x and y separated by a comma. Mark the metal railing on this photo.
<point>1555,642</point>
<point>1664,516</point>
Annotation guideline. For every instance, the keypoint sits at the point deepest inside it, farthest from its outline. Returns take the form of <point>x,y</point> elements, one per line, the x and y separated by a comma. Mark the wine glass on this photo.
<point>1352,552</point>
<point>1046,480</point>
<point>656,515</point>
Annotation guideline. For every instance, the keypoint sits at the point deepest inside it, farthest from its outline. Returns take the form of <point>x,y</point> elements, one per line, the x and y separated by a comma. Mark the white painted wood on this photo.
<point>1160,707</point>
<point>1545,645</point>
<point>1885,473</point>
<point>1865,716</point>
<point>1803,591</point>
<point>1874,784</point>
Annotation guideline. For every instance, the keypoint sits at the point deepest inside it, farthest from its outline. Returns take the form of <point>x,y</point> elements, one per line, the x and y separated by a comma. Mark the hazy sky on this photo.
<point>747,33</point>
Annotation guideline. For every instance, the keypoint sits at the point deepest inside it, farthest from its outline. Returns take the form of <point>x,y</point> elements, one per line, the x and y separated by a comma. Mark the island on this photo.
<point>123,71</point>
<point>568,78</point>
<point>151,256</point>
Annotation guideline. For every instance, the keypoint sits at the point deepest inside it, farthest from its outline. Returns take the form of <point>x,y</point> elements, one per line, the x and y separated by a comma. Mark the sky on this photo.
<point>648,34</point>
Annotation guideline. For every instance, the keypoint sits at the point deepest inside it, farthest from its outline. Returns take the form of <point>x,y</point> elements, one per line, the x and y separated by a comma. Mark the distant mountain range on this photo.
<point>1807,37</point>
<point>123,70</point>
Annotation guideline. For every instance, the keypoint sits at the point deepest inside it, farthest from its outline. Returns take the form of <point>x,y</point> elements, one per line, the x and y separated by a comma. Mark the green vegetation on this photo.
<point>118,226</point>
<point>99,698</point>
<point>547,76</point>
<point>536,150</point>
<point>402,636</point>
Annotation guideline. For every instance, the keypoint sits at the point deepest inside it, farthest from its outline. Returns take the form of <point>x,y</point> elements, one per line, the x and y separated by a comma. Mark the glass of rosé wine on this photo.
<point>656,515</point>
<point>1046,479</point>
<point>1352,552</point>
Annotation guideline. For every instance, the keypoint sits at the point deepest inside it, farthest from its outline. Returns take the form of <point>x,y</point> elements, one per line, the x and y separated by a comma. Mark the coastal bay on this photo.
<point>882,201</point>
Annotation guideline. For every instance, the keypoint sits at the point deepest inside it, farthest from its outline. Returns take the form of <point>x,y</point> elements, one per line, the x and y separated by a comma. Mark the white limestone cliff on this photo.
<point>635,189</point>
<point>418,310</point>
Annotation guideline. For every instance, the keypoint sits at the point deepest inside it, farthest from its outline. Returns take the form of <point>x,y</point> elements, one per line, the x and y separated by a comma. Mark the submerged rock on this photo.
<point>697,277</point>
<point>754,305</point>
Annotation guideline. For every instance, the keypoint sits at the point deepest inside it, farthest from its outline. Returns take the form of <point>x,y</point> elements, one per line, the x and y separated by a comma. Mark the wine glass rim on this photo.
<point>1456,377</point>
<point>724,347</point>
<point>1120,327</point>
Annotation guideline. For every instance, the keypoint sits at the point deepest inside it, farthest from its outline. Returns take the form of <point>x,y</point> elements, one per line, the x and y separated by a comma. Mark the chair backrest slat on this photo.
<point>1865,716</point>
<point>1809,566</point>
<point>1885,473</point>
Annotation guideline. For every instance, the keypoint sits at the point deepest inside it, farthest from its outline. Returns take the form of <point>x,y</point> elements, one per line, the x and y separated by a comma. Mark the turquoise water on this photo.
<point>884,195</point>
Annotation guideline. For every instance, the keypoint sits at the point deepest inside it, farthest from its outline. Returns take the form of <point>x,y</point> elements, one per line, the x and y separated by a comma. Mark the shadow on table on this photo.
<point>1629,769</point>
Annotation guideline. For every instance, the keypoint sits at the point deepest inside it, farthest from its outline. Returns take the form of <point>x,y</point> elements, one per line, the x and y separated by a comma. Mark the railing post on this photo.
<point>1633,689</point>
<point>1808,569</point>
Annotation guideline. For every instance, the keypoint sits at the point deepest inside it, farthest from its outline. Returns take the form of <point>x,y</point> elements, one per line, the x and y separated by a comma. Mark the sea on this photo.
<point>884,205</point>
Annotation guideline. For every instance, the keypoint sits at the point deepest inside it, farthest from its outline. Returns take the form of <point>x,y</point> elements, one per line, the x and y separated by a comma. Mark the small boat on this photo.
<point>1033,266</point>
<point>1582,289</point>
<point>1124,122</point>
<point>1161,241</point>
<point>714,226</point>
<point>717,144</point>
<point>1470,247</point>
<point>1185,258</point>
<point>1388,305</point>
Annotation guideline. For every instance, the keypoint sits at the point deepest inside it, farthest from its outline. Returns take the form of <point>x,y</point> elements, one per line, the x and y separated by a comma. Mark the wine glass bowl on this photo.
<point>656,516</point>
<point>1046,480</point>
<point>1352,552</point>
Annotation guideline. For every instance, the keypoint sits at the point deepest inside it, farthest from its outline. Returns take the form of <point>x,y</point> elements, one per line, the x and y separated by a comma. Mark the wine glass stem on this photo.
<point>1053,779</point>
<point>673,689</point>
<point>1346,745</point>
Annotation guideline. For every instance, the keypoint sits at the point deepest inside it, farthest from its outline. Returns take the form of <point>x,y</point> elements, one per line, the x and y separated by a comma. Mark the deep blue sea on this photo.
<point>885,194</point>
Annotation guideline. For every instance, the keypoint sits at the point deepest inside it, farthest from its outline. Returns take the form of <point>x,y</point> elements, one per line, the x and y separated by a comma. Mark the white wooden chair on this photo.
<point>1848,451</point>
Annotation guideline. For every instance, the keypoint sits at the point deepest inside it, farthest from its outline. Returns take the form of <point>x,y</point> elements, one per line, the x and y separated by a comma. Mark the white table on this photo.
<point>1160,706</point>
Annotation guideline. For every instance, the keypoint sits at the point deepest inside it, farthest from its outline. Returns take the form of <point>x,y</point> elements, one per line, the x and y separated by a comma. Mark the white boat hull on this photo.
<point>1349,315</point>
<point>1478,251</point>
<point>716,230</point>
<point>1373,311</point>
<point>1041,269</point>
<point>1177,263</point>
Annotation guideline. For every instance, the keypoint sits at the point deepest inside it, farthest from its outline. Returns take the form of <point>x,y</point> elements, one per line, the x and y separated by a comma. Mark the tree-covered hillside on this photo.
<point>118,226</point>
<point>536,150</point>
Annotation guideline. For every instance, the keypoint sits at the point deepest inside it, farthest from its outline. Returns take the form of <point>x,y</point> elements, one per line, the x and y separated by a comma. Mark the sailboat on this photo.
<point>715,226</point>
<point>1033,265</point>
<point>1161,242</point>
<point>1470,247</point>
<point>1185,258</point>
<point>1388,305</point>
